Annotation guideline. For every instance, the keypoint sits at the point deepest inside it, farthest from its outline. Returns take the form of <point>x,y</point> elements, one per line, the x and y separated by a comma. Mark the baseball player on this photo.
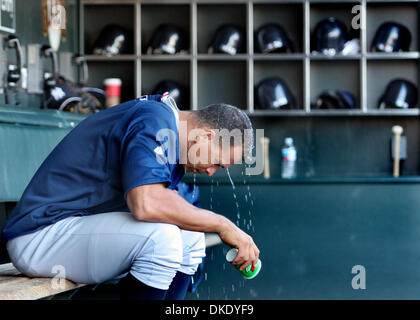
<point>104,204</point>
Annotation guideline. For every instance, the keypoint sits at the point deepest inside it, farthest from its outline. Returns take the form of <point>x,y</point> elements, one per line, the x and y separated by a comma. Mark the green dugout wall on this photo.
<point>313,231</point>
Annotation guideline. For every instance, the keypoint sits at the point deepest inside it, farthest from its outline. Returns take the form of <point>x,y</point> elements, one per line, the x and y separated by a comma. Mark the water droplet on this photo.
<point>211,195</point>
<point>234,196</point>
<point>230,178</point>
<point>195,178</point>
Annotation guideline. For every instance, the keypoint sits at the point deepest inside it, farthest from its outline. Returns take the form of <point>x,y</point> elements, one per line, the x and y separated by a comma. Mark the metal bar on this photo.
<point>363,62</point>
<point>412,55</point>
<point>318,57</point>
<point>418,48</point>
<point>278,2</point>
<point>336,113</point>
<point>175,57</point>
<point>391,1</point>
<point>220,1</point>
<point>111,2</point>
<point>250,60</point>
<point>222,57</point>
<point>125,57</point>
<point>137,41</point>
<point>81,27</point>
<point>307,65</point>
<point>137,26</point>
<point>194,49</point>
<point>278,57</point>
<point>166,1</point>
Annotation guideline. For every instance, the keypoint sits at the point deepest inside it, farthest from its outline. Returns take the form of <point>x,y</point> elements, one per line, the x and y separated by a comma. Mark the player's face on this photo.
<point>216,157</point>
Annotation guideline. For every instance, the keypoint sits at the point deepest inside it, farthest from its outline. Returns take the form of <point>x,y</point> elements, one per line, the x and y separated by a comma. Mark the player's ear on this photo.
<point>210,133</point>
<point>200,134</point>
<point>206,134</point>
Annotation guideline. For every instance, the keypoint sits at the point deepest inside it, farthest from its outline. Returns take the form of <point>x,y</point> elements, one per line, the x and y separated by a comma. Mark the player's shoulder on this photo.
<point>152,105</point>
<point>153,111</point>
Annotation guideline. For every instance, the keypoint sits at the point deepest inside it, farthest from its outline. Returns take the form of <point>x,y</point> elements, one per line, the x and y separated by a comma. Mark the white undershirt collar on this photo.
<point>169,101</point>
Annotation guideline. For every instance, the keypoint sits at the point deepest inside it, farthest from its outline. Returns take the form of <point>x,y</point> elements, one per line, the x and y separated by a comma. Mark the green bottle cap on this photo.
<point>249,272</point>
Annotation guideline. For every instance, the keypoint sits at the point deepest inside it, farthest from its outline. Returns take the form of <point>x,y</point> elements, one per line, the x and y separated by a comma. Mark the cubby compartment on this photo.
<point>155,71</point>
<point>212,16</point>
<point>291,72</point>
<point>153,15</point>
<point>289,16</point>
<point>339,10</point>
<point>222,82</point>
<point>381,72</point>
<point>405,13</point>
<point>97,16</point>
<point>124,70</point>
<point>335,75</point>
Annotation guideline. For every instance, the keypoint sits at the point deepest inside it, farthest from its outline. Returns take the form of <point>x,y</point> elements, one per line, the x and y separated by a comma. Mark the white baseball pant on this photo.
<point>96,248</point>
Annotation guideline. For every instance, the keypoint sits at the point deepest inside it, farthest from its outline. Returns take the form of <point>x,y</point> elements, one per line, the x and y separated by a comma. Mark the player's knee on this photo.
<point>157,263</point>
<point>193,241</point>
<point>194,250</point>
<point>168,242</point>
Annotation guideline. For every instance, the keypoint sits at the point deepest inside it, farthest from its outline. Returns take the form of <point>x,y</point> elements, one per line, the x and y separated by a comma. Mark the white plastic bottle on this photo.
<point>288,166</point>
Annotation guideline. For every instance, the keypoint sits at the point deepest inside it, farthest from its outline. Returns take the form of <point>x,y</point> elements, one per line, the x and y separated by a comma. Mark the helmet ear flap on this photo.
<point>228,39</point>
<point>391,37</point>
<point>273,93</point>
<point>176,90</point>
<point>342,103</point>
<point>347,100</point>
<point>333,99</point>
<point>400,93</point>
<point>329,36</point>
<point>381,104</point>
<point>168,39</point>
<point>271,37</point>
<point>327,99</point>
<point>113,40</point>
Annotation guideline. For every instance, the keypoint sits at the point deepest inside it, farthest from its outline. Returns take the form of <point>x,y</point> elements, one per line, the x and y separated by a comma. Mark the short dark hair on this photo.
<point>225,116</point>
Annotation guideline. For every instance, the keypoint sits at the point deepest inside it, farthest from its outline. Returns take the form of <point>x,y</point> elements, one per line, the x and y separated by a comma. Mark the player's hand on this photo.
<point>247,250</point>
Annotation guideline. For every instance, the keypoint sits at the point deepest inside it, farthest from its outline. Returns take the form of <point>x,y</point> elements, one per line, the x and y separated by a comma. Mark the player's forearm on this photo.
<point>165,205</point>
<point>172,208</point>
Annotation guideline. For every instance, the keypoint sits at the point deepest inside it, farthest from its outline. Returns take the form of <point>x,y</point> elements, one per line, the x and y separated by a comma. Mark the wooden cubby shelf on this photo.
<point>213,78</point>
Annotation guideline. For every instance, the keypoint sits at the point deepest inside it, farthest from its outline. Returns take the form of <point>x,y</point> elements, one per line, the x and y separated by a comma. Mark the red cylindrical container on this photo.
<point>113,91</point>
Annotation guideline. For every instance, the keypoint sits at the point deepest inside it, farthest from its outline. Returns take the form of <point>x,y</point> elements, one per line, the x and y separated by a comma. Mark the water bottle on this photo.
<point>288,153</point>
